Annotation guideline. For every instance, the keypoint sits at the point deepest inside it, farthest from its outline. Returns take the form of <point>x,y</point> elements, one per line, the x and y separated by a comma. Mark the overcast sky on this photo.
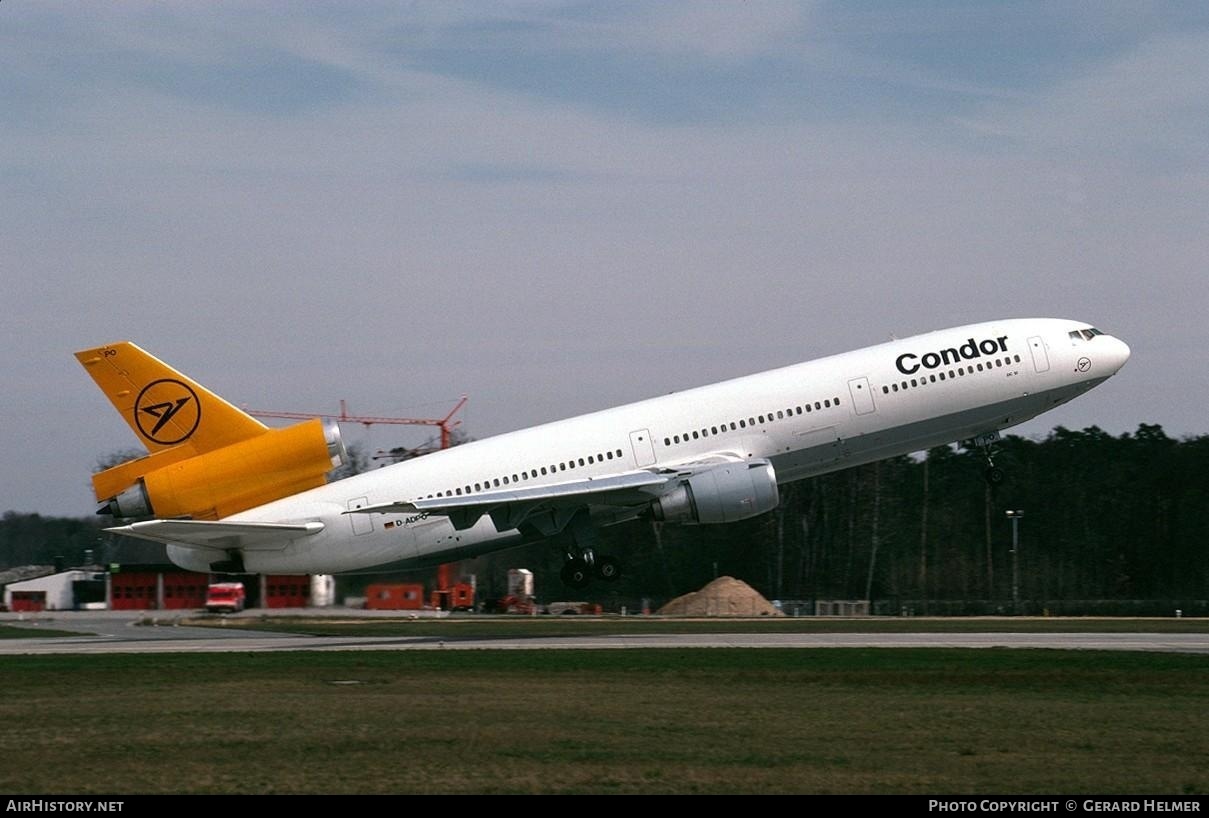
<point>560,206</point>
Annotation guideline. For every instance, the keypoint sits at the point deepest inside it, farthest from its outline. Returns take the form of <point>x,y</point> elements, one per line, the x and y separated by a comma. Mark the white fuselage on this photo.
<point>807,419</point>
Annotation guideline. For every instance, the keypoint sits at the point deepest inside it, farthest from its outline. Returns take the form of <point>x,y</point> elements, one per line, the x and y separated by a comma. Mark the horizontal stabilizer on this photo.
<point>217,534</point>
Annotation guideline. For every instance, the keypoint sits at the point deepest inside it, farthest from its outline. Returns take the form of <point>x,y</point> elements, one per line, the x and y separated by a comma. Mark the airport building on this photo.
<point>148,588</point>
<point>155,588</point>
<point>62,591</point>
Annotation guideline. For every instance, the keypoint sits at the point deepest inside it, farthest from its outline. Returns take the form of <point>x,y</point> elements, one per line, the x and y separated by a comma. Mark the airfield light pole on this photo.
<point>1015,516</point>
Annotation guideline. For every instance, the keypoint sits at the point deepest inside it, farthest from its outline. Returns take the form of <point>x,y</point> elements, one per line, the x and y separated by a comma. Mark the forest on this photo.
<point>1112,524</point>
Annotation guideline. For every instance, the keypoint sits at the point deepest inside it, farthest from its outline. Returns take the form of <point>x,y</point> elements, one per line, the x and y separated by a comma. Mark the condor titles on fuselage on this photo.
<point>909,363</point>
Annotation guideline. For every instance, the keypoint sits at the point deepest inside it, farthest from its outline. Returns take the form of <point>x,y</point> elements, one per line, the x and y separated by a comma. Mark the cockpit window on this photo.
<point>1084,334</point>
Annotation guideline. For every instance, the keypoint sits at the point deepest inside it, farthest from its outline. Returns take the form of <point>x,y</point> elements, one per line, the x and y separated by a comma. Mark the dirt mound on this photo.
<point>725,596</point>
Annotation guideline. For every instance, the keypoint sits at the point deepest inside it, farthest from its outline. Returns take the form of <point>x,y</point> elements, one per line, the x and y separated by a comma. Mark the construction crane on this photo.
<point>444,423</point>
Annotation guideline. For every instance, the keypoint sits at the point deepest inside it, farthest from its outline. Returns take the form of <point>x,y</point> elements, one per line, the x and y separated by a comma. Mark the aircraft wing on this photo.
<point>549,506</point>
<point>219,534</point>
<point>581,491</point>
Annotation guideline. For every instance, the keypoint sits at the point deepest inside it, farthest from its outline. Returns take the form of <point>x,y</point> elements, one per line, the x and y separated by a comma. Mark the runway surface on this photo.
<point>116,634</point>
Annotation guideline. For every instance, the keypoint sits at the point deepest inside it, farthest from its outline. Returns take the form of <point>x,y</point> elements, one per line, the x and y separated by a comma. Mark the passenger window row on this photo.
<point>951,374</point>
<point>530,474</point>
<point>743,423</point>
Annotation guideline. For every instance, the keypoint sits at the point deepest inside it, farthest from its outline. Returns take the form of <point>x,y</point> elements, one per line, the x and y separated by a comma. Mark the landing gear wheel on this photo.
<point>576,574</point>
<point>986,442</point>
<point>607,568</point>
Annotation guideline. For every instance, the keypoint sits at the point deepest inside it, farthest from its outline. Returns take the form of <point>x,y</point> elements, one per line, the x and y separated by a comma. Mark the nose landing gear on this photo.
<point>993,474</point>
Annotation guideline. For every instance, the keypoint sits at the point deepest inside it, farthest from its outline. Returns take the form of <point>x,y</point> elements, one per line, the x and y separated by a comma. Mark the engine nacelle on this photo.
<point>226,480</point>
<point>722,494</point>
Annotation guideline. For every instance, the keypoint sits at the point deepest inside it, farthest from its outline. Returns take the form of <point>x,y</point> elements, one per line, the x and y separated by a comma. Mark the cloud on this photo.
<point>715,30</point>
<point>1149,106</point>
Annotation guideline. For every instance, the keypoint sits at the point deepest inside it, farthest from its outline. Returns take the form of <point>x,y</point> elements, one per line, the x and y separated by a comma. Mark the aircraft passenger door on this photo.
<point>362,523</point>
<point>1040,358</point>
<point>644,447</point>
<point>862,395</point>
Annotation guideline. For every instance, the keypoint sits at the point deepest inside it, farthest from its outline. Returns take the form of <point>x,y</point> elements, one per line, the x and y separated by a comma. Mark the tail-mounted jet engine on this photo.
<point>178,482</point>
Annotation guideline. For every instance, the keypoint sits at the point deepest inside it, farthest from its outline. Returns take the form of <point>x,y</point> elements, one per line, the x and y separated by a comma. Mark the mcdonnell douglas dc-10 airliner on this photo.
<point>227,493</point>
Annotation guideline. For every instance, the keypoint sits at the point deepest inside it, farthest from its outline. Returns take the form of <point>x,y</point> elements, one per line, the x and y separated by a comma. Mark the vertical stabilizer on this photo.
<point>165,408</point>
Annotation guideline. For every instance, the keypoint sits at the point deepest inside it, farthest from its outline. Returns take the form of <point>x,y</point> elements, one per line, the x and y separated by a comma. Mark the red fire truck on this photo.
<point>225,597</point>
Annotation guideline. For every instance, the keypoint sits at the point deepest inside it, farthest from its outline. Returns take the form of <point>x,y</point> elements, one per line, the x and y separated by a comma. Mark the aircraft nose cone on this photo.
<point>1119,353</point>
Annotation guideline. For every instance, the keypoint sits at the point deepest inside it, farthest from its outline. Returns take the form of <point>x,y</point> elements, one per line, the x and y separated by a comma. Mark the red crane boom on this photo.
<point>367,421</point>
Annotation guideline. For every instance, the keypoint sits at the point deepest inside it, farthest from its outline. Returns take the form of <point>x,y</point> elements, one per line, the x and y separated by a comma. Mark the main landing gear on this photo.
<point>583,563</point>
<point>579,570</point>
<point>993,474</point>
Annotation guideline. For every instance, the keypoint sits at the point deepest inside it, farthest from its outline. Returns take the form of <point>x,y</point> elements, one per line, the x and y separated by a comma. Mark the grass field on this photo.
<point>513,626</point>
<point>659,721</point>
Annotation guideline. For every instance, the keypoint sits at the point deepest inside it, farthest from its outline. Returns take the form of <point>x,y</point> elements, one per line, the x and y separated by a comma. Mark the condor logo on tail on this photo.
<point>163,402</point>
<point>909,363</point>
